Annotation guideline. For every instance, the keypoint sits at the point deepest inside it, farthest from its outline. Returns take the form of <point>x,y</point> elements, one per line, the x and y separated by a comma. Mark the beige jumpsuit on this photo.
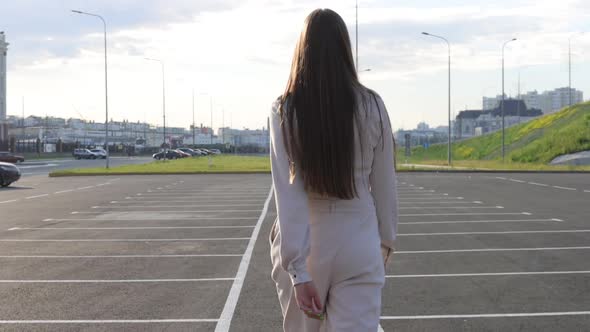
<point>336,243</point>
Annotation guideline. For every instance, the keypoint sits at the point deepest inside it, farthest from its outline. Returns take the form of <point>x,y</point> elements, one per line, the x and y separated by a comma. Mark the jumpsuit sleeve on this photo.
<point>292,207</point>
<point>382,178</point>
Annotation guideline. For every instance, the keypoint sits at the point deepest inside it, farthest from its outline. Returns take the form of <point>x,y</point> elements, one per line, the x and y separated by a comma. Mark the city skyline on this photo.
<point>55,58</point>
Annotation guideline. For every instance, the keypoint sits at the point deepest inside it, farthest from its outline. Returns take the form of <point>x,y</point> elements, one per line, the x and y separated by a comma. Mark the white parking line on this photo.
<point>128,240</point>
<point>465,214</point>
<point>587,191</point>
<point>144,219</point>
<point>87,187</point>
<point>109,281</point>
<point>175,206</point>
<point>491,274</point>
<point>499,232</point>
<point>449,251</point>
<point>166,211</point>
<point>109,321</point>
<point>123,256</point>
<point>64,191</point>
<point>9,201</point>
<point>448,207</point>
<point>475,221</point>
<point>37,196</point>
<point>431,198</point>
<point>232,299</point>
<point>125,228</point>
<point>565,188</point>
<point>539,184</point>
<point>501,315</point>
<point>517,181</point>
<point>186,201</point>
<point>440,202</point>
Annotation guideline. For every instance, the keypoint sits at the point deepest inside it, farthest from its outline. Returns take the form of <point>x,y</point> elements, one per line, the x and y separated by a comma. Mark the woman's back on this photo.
<point>334,184</point>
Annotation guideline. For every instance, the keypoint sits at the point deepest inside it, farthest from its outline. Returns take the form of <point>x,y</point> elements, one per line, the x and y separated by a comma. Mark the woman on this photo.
<point>334,181</point>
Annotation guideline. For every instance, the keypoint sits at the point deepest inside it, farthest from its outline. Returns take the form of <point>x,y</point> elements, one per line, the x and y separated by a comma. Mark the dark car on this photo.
<point>183,154</point>
<point>8,174</point>
<point>168,154</point>
<point>9,157</point>
<point>84,154</point>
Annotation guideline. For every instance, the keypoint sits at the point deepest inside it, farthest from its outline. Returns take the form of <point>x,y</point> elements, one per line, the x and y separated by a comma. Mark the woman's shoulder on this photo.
<point>276,105</point>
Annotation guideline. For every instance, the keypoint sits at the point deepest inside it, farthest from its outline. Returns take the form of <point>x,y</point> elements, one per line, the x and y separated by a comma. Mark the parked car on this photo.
<point>207,152</point>
<point>102,154</point>
<point>201,151</point>
<point>168,154</point>
<point>183,154</point>
<point>84,154</point>
<point>9,173</point>
<point>215,151</point>
<point>9,157</point>
<point>192,152</point>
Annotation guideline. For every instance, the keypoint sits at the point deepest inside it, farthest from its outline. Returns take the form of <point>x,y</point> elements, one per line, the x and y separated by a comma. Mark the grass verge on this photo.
<point>199,165</point>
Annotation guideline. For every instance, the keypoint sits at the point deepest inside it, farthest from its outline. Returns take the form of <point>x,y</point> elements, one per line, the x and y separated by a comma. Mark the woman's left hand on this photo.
<point>308,300</point>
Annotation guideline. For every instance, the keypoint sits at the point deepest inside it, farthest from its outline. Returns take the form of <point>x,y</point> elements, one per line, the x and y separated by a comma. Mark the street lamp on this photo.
<point>163,97</point>
<point>106,86</point>
<point>449,106</point>
<point>357,35</point>
<point>503,100</point>
<point>194,143</point>
<point>569,42</point>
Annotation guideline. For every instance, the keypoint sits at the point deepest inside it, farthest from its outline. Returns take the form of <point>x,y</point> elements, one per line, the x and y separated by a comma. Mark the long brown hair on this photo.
<point>319,107</point>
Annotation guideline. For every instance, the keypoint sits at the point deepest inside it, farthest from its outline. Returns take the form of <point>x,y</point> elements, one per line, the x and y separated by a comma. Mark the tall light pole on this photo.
<point>211,111</point>
<point>106,85</point>
<point>163,98</point>
<point>449,97</point>
<point>194,143</point>
<point>357,35</point>
<point>503,100</point>
<point>569,46</point>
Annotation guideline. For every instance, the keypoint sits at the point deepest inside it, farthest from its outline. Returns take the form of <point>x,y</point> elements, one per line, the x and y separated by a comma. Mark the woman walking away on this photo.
<point>334,182</point>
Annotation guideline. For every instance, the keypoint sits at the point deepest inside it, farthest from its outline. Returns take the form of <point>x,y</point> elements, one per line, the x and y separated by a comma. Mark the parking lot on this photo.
<point>475,252</point>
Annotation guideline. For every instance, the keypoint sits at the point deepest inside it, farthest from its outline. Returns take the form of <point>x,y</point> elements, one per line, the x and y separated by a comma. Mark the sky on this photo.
<point>235,55</point>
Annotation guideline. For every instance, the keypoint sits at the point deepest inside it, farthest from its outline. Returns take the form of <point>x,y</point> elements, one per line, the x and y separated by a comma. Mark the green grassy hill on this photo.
<point>534,142</point>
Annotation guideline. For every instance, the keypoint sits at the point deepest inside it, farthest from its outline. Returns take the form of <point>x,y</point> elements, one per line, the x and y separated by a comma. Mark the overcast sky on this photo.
<point>239,52</point>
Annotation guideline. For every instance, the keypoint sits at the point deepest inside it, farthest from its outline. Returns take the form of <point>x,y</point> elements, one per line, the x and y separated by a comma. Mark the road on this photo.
<point>475,252</point>
<point>44,167</point>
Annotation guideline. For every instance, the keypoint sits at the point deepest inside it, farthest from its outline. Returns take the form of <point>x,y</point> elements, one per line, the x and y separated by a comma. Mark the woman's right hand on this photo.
<point>308,300</point>
<point>386,252</point>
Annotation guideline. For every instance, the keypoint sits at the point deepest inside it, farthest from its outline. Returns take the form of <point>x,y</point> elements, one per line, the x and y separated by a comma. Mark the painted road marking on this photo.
<point>500,232</point>
<point>502,315</point>
<point>37,196</point>
<point>517,181</point>
<point>232,300</point>
<point>440,202</point>
<point>57,281</point>
<point>126,228</point>
<point>128,240</point>
<point>144,219</point>
<point>473,221</point>
<point>448,207</point>
<point>171,211</point>
<point>493,274</point>
<point>539,184</point>
<point>464,214</point>
<point>87,187</point>
<point>184,201</point>
<point>123,256</point>
<point>587,191</point>
<point>64,191</point>
<point>431,198</point>
<point>110,321</point>
<point>488,250</point>
<point>565,188</point>
<point>174,206</point>
<point>10,201</point>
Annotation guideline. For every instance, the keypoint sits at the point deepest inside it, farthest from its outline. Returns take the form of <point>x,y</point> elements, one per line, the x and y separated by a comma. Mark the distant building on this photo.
<point>548,101</point>
<point>423,135</point>
<point>471,123</point>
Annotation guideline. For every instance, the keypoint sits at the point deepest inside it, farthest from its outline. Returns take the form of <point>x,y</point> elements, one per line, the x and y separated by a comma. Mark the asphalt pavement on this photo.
<point>475,252</point>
